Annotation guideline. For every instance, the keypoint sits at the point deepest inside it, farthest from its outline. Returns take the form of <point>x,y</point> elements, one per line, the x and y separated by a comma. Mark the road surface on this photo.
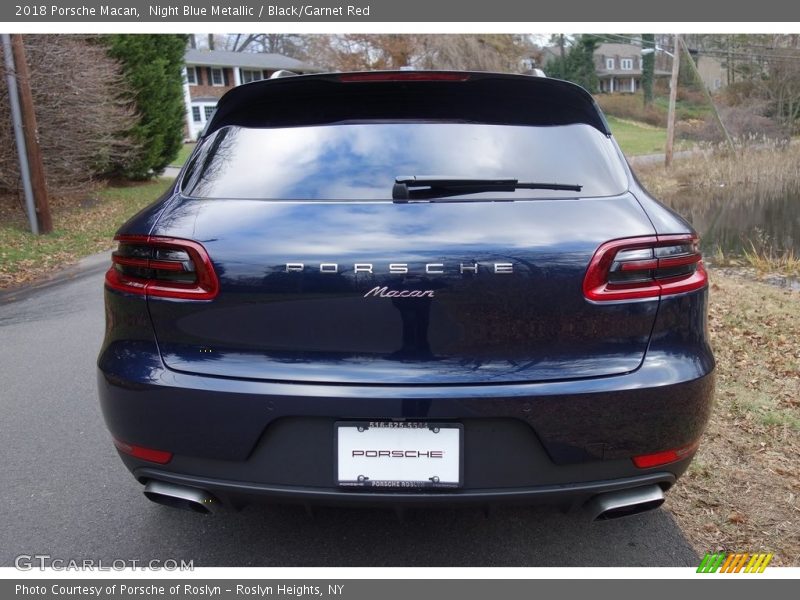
<point>64,491</point>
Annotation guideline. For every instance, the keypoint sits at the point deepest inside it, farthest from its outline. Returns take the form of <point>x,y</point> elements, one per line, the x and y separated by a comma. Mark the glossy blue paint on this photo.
<point>552,389</point>
<point>530,325</point>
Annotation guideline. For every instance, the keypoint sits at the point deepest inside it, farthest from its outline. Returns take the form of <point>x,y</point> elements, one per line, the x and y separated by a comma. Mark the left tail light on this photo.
<point>645,267</point>
<point>161,457</point>
<point>162,267</point>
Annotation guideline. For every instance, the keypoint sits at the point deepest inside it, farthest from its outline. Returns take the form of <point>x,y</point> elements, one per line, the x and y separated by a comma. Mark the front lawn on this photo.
<point>637,138</point>
<point>81,228</point>
<point>183,155</point>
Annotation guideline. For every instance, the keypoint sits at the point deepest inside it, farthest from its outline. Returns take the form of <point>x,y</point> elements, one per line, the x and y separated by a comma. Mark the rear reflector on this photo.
<point>403,76</point>
<point>647,461</point>
<point>645,267</point>
<point>157,456</point>
<point>162,267</point>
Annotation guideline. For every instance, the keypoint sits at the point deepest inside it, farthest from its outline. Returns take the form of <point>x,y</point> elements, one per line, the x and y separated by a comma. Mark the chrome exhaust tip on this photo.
<point>180,496</point>
<point>623,503</point>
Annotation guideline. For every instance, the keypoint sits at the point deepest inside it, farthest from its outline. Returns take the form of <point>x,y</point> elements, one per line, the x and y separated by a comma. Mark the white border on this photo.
<point>303,573</point>
<point>339,573</point>
<point>383,27</point>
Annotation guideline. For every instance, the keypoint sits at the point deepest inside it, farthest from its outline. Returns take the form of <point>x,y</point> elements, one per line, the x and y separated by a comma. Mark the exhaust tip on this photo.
<point>179,496</point>
<point>624,503</point>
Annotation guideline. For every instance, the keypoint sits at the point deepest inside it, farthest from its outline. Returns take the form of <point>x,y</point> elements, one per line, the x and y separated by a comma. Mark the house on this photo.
<point>211,73</point>
<point>619,67</point>
<point>712,71</point>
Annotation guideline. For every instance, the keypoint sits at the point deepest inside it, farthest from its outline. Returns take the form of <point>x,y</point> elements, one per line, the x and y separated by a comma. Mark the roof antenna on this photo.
<point>282,73</point>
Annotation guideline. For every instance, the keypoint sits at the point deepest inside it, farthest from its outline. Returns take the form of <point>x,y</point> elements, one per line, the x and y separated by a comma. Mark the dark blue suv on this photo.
<point>407,288</point>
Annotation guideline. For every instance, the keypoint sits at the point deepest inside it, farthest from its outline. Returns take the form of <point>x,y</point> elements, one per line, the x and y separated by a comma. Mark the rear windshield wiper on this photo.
<point>425,187</point>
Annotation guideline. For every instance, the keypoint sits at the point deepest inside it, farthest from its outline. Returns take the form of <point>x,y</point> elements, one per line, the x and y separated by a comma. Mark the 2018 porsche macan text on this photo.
<point>407,288</point>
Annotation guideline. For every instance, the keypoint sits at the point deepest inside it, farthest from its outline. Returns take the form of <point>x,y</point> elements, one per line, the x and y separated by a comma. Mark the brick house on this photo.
<point>210,73</point>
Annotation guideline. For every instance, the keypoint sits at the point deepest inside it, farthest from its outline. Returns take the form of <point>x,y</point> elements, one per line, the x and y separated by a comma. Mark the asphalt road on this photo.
<point>64,491</point>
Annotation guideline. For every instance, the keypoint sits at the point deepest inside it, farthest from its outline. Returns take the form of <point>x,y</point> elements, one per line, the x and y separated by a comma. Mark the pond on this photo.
<point>734,219</point>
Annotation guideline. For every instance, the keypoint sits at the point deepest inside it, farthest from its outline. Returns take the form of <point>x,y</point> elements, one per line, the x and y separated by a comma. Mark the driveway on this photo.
<point>64,491</point>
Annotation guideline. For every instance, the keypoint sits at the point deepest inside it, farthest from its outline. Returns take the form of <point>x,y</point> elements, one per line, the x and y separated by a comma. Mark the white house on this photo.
<point>211,73</point>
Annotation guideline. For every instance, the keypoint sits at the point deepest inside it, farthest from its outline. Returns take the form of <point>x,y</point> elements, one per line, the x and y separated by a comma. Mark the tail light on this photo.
<point>647,461</point>
<point>645,267</point>
<point>161,457</point>
<point>162,267</point>
<point>403,76</point>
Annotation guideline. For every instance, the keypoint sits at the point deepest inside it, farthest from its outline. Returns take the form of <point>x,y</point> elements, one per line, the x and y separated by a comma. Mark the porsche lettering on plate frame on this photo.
<point>399,454</point>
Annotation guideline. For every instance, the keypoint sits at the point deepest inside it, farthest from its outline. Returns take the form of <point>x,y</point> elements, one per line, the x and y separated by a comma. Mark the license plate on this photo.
<point>388,454</point>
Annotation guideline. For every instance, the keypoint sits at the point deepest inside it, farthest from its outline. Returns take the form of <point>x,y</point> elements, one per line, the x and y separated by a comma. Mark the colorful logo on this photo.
<point>721,562</point>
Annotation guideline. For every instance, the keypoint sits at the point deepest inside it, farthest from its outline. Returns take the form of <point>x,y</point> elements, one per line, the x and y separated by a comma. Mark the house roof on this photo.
<point>624,50</point>
<point>248,60</point>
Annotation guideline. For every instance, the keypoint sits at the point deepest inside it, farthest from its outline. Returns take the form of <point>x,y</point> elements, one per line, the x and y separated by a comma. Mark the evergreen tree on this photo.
<point>152,66</point>
<point>577,65</point>
<point>648,67</point>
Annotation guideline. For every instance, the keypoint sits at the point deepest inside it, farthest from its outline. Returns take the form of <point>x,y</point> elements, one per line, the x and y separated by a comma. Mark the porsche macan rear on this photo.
<point>407,288</point>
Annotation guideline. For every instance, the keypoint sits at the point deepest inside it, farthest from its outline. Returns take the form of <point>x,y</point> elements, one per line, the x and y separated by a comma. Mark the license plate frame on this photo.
<point>357,471</point>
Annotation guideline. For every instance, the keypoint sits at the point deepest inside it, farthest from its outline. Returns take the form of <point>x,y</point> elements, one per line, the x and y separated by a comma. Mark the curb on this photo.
<point>88,265</point>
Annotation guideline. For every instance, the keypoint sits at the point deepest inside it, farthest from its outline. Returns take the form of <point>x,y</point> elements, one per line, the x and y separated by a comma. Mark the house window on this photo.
<point>717,84</point>
<point>191,76</point>
<point>196,114</point>
<point>626,64</point>
<point>209,111</point>
<point>249,75</point>
<point>217,78</point>
<point>609,63</point>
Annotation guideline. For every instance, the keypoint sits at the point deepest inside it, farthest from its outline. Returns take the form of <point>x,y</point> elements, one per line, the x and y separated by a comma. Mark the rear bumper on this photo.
<point>558,442</point>
<point>235,494</point>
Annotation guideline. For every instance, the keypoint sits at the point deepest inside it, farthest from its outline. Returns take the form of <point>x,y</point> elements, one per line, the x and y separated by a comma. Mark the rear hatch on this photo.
<point>327,274</point>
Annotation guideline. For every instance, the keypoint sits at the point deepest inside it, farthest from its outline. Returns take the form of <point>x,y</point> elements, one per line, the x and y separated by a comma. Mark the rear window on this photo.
<point>359,161</point>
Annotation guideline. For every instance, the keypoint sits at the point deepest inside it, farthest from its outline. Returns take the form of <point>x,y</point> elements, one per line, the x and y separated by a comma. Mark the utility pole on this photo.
<point>673,97</point>
<point>31,136</point>
<point>19,136</point>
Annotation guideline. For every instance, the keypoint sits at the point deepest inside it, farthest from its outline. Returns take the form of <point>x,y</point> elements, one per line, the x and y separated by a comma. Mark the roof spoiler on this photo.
<point>292,100</point>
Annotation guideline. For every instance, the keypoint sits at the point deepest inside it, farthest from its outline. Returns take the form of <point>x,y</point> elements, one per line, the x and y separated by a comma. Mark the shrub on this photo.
<point>631,106</point>
<point>745,122</point>
<point>740,92</point>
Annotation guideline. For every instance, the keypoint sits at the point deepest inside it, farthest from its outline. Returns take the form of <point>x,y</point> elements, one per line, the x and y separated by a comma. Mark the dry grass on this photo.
<point>767,260</point>
<point>772,165</point>
<point>631,106</point>
<point>741,492</point>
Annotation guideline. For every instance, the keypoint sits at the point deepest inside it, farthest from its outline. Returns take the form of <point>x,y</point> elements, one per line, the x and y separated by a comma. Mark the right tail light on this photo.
<point>645,267</point>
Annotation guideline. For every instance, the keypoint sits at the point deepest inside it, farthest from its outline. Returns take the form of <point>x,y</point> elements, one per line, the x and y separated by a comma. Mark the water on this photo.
<point>733,218</point>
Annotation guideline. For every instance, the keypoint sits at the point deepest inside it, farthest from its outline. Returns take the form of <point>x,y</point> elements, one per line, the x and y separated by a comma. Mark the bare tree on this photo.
<point>492,52</point>
<point>288,44</point>
<point>82,116</point>
<point>489,52</point>
<point>782,86</point>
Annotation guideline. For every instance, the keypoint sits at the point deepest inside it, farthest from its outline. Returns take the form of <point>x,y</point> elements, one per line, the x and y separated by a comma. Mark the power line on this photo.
<point>740,51</point>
